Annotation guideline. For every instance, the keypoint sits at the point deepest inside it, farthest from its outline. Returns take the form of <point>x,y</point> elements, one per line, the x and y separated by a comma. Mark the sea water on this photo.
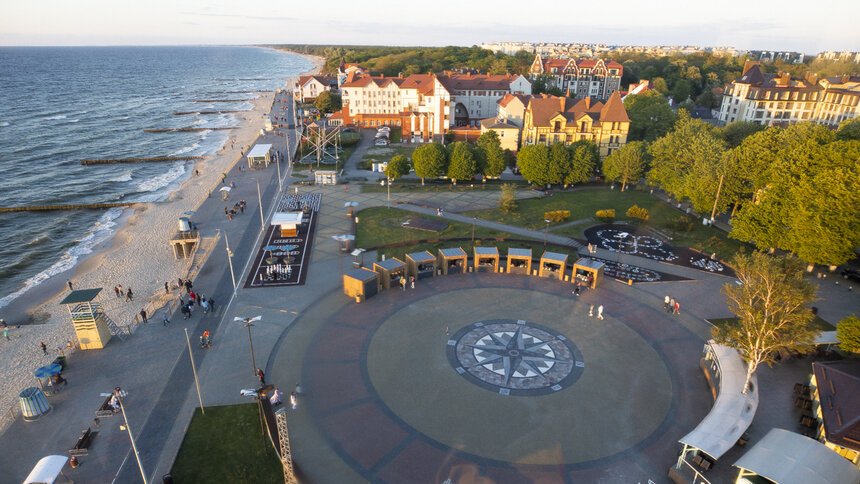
<point>61,105</point>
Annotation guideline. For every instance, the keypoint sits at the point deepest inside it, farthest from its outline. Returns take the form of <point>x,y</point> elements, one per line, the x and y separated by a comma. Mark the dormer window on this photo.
<point>557,126</point>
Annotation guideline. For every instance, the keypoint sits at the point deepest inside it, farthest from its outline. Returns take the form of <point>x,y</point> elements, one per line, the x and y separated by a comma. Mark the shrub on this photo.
<point>637,213</point>
<point>683,223</point>
<point>557,215</point>
<point>606,215</point>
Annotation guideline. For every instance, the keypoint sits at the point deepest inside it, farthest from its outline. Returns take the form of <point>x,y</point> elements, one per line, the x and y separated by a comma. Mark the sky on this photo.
<point>792,25</point>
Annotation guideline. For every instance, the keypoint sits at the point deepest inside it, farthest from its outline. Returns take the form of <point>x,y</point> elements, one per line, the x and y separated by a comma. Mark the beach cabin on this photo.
<point>361,284</point>
<point>325,177</point>
<point>453,261</point>
<point>486,259</point>
<point>260,156</point>
<point>553,264</point>
<point>390,271</point>
<point>92,326</point>
<point>520,261</point>
<point>421,265</point>
<point>586,269</point>
<point>288,222</point>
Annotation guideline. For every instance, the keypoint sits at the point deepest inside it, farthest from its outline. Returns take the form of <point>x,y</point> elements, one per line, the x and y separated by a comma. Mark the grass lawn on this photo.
<point>584,203</point>
<point>817,323</point>
<point>384,154</point>
<point>414,185</point>
<point>225,445</point>
<point>311,161</point>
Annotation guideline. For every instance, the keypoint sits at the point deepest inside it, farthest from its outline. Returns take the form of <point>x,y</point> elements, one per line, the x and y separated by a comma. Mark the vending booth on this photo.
<point>421,264</point>
<point>390,271</point>
<point>453,261</point>
<point>553,265</point>
<point>519,261</point>
<point>486,259</point>
<point>587,269</point>
<point>288,223</point>
<point>361,284</point>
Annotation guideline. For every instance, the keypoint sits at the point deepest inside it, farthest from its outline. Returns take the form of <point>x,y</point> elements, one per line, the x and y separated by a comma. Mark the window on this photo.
<point>582,126</point>
<point>557,126</point>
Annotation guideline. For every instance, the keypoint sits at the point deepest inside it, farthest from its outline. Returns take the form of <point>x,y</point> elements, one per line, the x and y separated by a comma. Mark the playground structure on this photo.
<point>324,143</point>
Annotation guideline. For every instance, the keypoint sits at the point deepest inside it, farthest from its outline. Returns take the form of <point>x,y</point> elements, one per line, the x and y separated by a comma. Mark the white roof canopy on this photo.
<point>826,338</point>
<point>259,151</point>
<point>46,470</point>
<point>287,218</point>
<point>733,411</point>
<point>788,458</point>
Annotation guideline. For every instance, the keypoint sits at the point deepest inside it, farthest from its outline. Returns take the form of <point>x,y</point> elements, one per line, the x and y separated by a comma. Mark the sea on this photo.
<point>61,105</point>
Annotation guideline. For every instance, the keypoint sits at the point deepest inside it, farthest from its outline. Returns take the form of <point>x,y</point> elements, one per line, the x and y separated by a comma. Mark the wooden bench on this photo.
<point>83,444</point>
<point>105,410</point>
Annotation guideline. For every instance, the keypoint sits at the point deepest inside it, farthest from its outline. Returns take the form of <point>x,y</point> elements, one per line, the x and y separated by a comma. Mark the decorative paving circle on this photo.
<point>515,357</point>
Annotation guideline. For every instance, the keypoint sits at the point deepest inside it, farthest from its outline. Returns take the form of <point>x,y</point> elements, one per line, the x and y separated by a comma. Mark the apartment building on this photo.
<point>779,99</point>
<point>550,119</point>
<point>309,87</point>
<point>593,78</point>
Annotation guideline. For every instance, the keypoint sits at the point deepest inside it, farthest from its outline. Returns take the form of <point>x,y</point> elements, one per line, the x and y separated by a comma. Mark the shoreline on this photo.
<point>117,260</point>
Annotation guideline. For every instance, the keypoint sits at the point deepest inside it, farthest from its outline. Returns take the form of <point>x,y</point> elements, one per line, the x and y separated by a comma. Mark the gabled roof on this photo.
<point>523,98</point>
<point>569,64</point>
<point>424,83</point>
<point>493,123</point>
<point>614,109</point>
<point>366,80</point>
<point>468,81</point>
<point>545,108</point>
<point>839,393</point>
<point>753,75</point>
<point>324,80</point>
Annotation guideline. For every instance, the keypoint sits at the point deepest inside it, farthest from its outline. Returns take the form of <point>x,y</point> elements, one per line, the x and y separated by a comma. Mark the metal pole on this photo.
<point>260,201</point>
<point>194,369</point>
<point>388,184</point>
<point>546,233</point>
<point>230,260</point>
<point>278,164</point>
<point>251,344</point>
<point>474,221</point>
<point>719,188</point>
<point>131,437</point>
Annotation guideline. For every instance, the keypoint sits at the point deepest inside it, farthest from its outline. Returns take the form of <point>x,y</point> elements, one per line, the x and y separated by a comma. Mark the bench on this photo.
<point>105,410</point>
<point>83,444</point>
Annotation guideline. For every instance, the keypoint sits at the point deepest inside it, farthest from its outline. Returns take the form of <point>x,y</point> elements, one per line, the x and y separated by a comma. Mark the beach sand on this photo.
<point>146,230</point>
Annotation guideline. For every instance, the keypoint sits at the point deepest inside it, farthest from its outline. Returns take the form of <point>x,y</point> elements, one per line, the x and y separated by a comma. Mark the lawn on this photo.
<point>685,230</point>
<point>310,162</point>
<point>225,445</point>
<point>383,154</point>
<point>414,185</point>
<point>816,323</point>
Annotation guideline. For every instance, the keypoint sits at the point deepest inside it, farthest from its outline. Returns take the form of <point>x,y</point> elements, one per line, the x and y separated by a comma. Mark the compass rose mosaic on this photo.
<point>515,357</point>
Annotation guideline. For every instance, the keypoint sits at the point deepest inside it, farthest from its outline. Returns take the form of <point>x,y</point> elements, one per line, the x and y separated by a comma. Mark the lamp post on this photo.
<point>194,368</point>
<point>278,165</point>
<point>230,259</point>
<point>260,201</point>
<point>546,232</point>
<point>128,429</point>
<point>474,222</point>
<point>248,322</point>
<point>388,197</point>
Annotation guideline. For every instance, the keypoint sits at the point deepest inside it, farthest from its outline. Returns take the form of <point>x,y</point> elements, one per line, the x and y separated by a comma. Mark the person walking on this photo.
<point>412,281</point>
<point>666,303</point>
<point>129,296</point>
<point>121,292</point>
<point>166,288</point>
<point>262,376</point>
<point>212,304</point>
<point>69,282</point>
<point>44,347</point>
<point>6,332</point>
<point>293,401</point>
<point>164,321</point>
<point>591,311</point>
<point>577,289</point>
<point>600,312</point>
<point>677,308</point>
<point>403,283</point>
<point>671,305</point>
<point>205,305</point>
<point>116,290</point>
<point>199,300</point>
<point>143,316</point>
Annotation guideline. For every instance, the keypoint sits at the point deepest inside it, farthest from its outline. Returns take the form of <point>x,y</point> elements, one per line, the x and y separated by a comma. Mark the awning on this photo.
<point>46,470</point>
<point>259,151</point>
<point>826,338</point>
<point>788,458</point>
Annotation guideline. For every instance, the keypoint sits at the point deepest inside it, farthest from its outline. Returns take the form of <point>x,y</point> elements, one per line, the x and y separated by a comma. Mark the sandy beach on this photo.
<point>138,257</point>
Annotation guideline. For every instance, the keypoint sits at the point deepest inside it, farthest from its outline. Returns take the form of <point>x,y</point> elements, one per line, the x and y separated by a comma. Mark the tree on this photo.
<point>771,309</point>
<point>533,162</point>
<point>463,165</point>
<point>735,133</point>
<point>849,130</point>
<point>650,116</point>
<point>628,164</point>
<point>327,102</point>
<point>848,334</point>
<point>559,163</point>
<point>492,159</point>
<point>681,91</point>
<point>508,198</point>
<point>584,155</point>
<point>430,161</point>
<point>397,167</point>
<point>660,86</point>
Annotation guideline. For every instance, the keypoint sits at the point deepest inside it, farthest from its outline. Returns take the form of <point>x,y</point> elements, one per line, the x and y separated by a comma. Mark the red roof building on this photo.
<point>595,78</point>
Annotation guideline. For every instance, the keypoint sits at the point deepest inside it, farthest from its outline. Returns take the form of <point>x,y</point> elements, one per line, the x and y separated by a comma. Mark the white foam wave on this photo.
<point>4,123</point>
<point>161,181</point>
<point>56,117</point>
<point>73,120</point>
<point>122,178</point>
<point>182,151</point>
<point>99,232</point>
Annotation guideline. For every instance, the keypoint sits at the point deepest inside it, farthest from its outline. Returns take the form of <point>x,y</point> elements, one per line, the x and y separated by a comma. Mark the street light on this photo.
<point>128,429</point>
<point>546,232</point>
<point>248,322</point>
<point>230,260</point>
<point>474,222</point>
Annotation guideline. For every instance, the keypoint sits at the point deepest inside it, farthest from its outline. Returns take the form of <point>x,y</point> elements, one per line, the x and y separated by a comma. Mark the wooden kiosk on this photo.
<point>288,222</point>
<point>92,326</point>
<point>486,259</point>
<point>520,261</point>
<point>421,265</point>
<point>453,261</point>
<point>553,264</point>
<point>585,268</point>
<point>361,284</point>
<point>391,270</point>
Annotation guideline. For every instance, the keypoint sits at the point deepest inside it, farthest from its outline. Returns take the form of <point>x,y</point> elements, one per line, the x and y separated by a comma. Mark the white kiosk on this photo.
<point>289,222</point>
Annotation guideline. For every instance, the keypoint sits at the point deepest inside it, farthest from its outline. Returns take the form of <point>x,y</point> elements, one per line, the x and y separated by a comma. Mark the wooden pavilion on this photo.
<point>519,261</point>
<point>390,271</point>
<point>553,264</point>
<point>361,284</point>
<point>453,261</point>
<point>585,269</point>
<point>421,265</point>
<point>486,259</point>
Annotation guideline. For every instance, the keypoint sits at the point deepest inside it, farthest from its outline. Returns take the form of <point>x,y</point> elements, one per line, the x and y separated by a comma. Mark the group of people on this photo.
<point>238,207</point>
<point>186,307</point>
<point>671,305</point>
<point>118,290</point>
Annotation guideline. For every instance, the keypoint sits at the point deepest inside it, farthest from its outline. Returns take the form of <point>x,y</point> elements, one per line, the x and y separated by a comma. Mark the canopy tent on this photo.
<point>260,155</point>
<point>47,470</point>
<point>788,458</point>
<point>733,410</point>
<point>288,221</point>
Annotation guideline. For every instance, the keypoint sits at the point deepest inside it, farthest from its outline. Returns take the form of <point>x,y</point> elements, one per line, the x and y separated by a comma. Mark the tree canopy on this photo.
<point>463,164</point>
<point>327,102</point>
<point>771,308</point>
<point>627,164</point>
<point>848,334</point>
<point>533,162</point>
<point>650,116</point>
<point>493,159</point>
<point>397,167</point>
<point>430,161</point>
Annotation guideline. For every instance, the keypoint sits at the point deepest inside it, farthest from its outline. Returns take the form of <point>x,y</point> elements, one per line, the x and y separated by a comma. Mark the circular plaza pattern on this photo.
<point>505,375</point>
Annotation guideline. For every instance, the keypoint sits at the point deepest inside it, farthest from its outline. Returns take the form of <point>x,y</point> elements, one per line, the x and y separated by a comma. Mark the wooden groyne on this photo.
<point>178,113</point>
<point>45,208</point>
<point>109,161</point>
<point>185,130</point>
<point>221,100</point>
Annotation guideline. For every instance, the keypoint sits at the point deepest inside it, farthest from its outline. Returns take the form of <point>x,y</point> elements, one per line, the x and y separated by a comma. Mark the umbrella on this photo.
<point>42,372</point>
<point>350,204</point>
<point>225,189</point>
<point>54,368</point>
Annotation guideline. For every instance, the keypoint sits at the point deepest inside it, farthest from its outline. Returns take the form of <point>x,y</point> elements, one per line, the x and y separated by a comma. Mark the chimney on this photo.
<point>811,78</point>
<point>749,65</point>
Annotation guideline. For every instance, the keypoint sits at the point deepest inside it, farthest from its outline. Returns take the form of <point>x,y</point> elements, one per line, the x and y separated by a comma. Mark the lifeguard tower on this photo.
<point>92,326</point>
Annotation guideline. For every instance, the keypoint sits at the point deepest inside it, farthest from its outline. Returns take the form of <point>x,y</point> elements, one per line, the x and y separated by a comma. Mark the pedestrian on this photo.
<point>179,283</point>
<point>293,401</point>
<point>677,308</point>
<point>196,172</point>
<point>600,312</point>
<point>412,281</point>
<point>242,206</point>
<point>447,331</point>
<point>577,289</point>
<point>188,286</point>
<point>164,321</point>
<point>116,290</point>
<point>591,311</point>
<point>5,330</point>
<point>403,283</point>
<point>262,376</point>
<point>198,300</point>
<point>298,388</point>
<point>69,282</point>
<point>671,305</point>
<point>166,288</point>
<point>212,304</point>
<point>226,211</point>
<point>44,347</point>
<point>129,296</point>
<point>143,316</point>
<point>205,305</point>
<point>121,292</point>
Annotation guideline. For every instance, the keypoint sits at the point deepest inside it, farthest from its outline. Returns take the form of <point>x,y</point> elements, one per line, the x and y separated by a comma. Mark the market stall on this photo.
<point>361,284</point>
<point>486,259</point>
<point>588,271</point>
<point>553,264</point>
<point>453,261</point>
<point>390,271</point>
<point>519,261</point>
<point>420,265</point>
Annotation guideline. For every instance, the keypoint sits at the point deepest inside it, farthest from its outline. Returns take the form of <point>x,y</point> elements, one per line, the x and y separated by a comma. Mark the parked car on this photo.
<point>381,142</point>
<point>851,274</point>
